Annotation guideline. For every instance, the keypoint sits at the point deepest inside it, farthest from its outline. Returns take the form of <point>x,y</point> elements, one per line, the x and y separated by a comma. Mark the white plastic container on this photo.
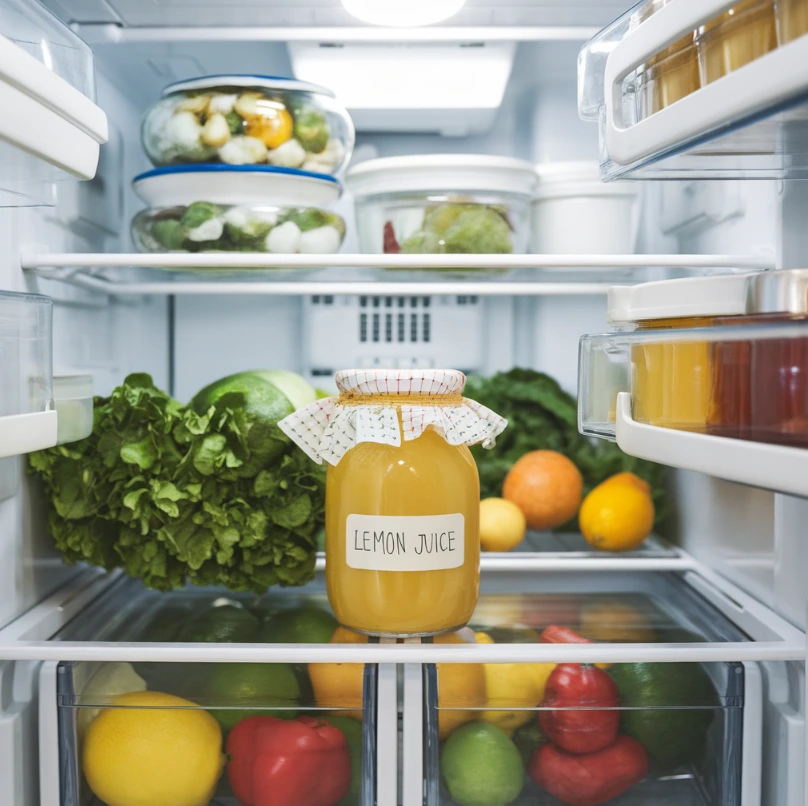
<point>73,395</point>
<point>442,204</point>
<point>575,213</point>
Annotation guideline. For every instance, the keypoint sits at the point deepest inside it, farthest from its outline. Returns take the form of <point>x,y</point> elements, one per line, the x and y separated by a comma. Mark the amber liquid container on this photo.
<point>792,19</point>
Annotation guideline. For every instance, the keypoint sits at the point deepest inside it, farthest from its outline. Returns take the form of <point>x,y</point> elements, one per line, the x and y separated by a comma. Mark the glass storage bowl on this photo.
<point>792,19</point>
<point>738,36</point>
<point>668,76</point>
<point>207,227</point>
<point>249,120</point>
<point>442,204</point>
<point>684,721</point>
<point>190,711</point>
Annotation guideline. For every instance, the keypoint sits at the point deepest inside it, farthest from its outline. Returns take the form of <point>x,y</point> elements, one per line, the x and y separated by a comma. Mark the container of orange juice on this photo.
<point>402,497</point>
<point>672,377</point>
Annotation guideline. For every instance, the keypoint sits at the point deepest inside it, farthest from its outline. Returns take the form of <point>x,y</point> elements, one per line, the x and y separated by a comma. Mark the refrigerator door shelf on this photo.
<point>771,467</point>
<point>54,133</point>
<point>749,123</point>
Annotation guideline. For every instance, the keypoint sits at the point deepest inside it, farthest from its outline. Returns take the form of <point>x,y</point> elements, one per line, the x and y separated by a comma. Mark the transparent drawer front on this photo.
<point>744,382</point>
<point>191,734</point>
<point>546,733</point>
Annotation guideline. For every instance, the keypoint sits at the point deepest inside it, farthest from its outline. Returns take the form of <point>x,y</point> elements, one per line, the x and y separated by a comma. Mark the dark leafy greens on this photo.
<point>160,491</point>
<point>542,416</point>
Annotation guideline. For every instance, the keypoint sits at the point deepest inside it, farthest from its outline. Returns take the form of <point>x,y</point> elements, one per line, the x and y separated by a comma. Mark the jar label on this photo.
<point>405,542</point>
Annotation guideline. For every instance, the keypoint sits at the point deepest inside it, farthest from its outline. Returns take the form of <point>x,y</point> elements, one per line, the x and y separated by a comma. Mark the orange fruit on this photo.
<point>460,686</point>
<point>628,478</point>
<point>339,685</point>
<point>618,514</point>
<point>615,621</point>
<point>546,486</point>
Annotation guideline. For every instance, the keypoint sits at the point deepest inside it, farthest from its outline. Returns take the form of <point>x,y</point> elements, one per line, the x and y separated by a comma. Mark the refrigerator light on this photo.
<point>402,13</point>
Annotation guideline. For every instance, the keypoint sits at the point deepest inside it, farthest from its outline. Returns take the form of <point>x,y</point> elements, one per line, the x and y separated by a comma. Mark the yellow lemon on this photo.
<point>502,525</point>
<point>512,685</point>
<point>460,686</point>
<point>151,749</point>
<point>618,514</point>
<point>615,621</point>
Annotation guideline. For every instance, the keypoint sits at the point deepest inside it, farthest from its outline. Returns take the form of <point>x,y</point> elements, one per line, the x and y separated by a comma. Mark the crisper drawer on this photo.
<point>631,732</point>
<point>132,733</point>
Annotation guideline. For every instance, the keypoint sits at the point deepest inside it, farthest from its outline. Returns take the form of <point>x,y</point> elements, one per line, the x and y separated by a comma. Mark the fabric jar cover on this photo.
<point>327,429</point>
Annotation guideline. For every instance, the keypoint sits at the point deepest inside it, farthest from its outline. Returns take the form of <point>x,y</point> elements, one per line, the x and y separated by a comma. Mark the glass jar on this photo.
<point>402,497</point>
<point>670,75</point>
<point>792,19</point>
<point>738,36</point>
<point>249,120</point>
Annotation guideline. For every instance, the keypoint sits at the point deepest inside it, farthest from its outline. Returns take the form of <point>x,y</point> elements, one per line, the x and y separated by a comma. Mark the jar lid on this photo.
<point>72,387</point>
<point>236,184</point>
<point>434,173</point>
<point>718,295</point>
<point>400,381</point>
<point>245,80</point>
<point>783,291</point>
<point>327,429</point>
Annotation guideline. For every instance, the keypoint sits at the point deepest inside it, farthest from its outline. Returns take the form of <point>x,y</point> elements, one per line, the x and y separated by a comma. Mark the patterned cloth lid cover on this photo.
<point>328,428</point>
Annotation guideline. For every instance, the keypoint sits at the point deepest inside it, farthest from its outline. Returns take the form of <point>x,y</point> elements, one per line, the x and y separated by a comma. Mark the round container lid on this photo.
<point>236,184</point>
<point>578,178</point>
<point>441,172</point>
<point>784,291</point>
<point>400,381</point>
<point>72,387</point>
<point>245,80</point>
<point>719,295</point>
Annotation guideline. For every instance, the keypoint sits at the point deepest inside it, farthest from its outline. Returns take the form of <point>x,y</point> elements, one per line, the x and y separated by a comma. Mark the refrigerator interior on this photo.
<point>751,536</point>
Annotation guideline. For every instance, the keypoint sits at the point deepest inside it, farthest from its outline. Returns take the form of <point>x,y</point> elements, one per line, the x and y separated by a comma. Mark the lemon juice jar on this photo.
<point>402,497</point>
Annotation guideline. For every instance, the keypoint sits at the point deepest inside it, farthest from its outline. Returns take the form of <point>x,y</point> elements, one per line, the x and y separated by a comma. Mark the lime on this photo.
<point>226,624</point>
<point>352,730</point>
<point>251,684</point>
<point>481,766</point>
<point>301,625</point>
<point>669,706</point>
<point>528,739</point>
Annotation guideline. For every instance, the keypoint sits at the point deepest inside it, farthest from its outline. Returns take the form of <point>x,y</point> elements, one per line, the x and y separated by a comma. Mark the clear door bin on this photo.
<point>745,382</point>
<point>213,729</point>
<point>73,395</point>
<point>54,129</point>
<point>27,414</point>
<point>628,733</point>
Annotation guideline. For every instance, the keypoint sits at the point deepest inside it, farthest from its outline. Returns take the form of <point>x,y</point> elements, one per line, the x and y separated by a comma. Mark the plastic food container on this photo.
<point>249,120</point>
<point>792,19</point>
<point>573,212</point>
<point>402,497</point>
<point>740,371</point>
<point>73,395</point>
<point>231,209</point>
<point>670,379</point>
<point>442,204</point>
<point>668,76</point>
<point>738,36</point>
<point>193,713</point>
<point>674,731</point>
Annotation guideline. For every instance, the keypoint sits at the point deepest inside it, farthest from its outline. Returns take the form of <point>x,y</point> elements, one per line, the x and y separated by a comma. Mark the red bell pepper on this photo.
<point>561,635</point>
<point>590,779</point>
<point>591,717</point>
<point>278,762</point>
<point>390,244</point>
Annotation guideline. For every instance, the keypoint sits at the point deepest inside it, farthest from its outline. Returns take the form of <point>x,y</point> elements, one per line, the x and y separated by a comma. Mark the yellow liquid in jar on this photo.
<point>425,476</point>
<point>671,382</point>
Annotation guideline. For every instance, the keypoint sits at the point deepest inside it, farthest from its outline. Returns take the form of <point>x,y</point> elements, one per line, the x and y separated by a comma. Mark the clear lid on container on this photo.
<point>245,80</point>
<point>366,410</point>
<point>267,185</point>
<point>720,295</point>
<point>37,31</point>
<point>428,173</point>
